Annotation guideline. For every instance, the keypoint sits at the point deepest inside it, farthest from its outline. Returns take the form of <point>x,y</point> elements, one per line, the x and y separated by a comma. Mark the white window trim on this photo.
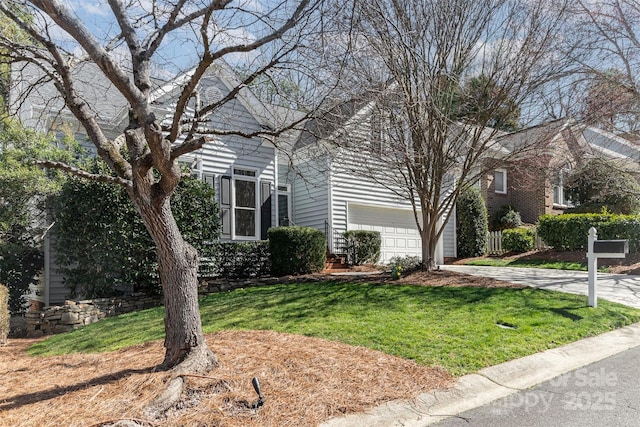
<point>504,181</point>
<point>560,186</point>
<point>256,210</point>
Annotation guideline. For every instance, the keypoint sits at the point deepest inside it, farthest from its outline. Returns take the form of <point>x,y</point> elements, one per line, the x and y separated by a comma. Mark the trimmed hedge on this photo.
<point>471,224</point>
<point>296,250</point>
<point>518,239</point>
<point>4,314</point>
<point>570,231</point>
<point>238,260</point>
<point>363,246</point>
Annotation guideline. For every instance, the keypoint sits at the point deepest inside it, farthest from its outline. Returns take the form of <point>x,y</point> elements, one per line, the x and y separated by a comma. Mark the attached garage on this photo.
<point>397,227</point>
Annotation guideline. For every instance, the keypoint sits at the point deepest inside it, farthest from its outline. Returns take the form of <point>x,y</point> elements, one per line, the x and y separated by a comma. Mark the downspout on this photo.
<point>276,175</point>
<point>330,206</point>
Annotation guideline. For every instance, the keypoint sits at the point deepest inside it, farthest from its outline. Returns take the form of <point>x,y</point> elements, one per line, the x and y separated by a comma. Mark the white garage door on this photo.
<point>397,227</point>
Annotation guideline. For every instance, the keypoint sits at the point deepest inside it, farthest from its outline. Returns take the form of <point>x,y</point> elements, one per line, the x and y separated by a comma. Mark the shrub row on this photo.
<point>363,246</point>
<point>570,231</point>
<point>289,250</point>
<point>237,260</point>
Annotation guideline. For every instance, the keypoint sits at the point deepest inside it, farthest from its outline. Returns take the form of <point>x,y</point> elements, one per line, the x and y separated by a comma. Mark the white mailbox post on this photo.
<point>601,249</point>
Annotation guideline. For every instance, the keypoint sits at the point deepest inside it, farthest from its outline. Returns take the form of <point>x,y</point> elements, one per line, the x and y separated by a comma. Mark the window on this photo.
<point>560,198</point>
<point>500,181</point>
<point>284,211</point>
<point>245,208</point>
<point>238,204</point>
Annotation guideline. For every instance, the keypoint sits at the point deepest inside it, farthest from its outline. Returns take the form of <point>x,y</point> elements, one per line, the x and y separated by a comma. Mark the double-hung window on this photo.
<point>238,204</point>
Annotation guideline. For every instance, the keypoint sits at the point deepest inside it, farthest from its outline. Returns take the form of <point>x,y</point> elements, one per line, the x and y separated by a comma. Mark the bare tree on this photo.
<point>414,59</point>
<point>608,60</point>
<point>143,159</point>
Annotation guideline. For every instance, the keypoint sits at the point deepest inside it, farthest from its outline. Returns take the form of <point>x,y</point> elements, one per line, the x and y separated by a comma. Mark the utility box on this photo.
<point>611,248</point>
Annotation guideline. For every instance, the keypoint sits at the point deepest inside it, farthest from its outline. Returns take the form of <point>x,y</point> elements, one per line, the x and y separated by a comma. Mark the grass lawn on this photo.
<point>536,263</point>
<point>453,327</point>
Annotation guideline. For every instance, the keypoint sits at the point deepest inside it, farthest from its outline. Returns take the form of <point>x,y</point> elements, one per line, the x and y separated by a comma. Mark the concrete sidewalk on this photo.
<point>495,382</point>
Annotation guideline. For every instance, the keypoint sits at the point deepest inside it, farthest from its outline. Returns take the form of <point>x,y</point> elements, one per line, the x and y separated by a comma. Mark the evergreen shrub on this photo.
<point>506,217</point>
<point>518,239</point>
<point>571,231</point>
<point>471,224</point>
<point>296,250</point>
<point>239,260</point>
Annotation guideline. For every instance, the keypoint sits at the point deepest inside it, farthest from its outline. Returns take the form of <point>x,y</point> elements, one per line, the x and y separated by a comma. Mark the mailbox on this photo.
<point>611,248</point>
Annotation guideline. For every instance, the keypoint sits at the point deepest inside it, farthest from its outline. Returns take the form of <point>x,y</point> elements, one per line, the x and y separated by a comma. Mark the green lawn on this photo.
<point>536,263</point>
<point>456,328</point>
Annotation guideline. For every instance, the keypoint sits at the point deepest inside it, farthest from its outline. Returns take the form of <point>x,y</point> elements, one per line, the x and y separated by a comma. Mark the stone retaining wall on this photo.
<point>75,314</point>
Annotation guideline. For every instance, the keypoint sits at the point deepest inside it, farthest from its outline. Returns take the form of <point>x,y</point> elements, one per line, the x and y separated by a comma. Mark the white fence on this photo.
<point>494,243</point>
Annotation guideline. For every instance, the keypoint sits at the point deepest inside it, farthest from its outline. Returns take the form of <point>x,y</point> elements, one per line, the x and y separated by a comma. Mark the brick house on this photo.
<point>531,180</point>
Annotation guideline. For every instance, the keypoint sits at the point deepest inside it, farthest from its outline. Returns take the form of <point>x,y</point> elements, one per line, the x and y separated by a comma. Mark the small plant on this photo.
<point>406,264</point>
<point>396,272</point>
<point>506,217</point>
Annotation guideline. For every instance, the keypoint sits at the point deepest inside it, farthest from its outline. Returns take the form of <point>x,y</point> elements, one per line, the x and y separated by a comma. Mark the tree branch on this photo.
<point>72,170</point>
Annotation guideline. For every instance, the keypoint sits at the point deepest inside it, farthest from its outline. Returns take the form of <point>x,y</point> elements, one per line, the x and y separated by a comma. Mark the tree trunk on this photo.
<point>186,349</point>
<point>428,243</point>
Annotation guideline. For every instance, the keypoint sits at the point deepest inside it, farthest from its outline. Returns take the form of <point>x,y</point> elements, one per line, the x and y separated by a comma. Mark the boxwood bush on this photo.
<point>363,246</point>
<point>570,231</point>
<point>296,250</point>
<point>4,314</point>
<point>518,239</point>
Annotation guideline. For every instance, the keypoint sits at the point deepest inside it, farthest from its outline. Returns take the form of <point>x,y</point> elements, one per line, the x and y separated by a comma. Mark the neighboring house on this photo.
<point>243,171</point>
<point>329,194</point>
<point>532,181</point>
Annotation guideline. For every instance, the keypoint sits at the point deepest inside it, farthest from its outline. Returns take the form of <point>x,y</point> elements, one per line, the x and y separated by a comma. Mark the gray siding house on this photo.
<point>243,171</point>
<point>331,195</point>
<point>253,177</point>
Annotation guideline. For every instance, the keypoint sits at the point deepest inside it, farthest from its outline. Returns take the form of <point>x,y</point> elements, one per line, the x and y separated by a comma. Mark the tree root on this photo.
<point>167,398</point>
<point>197,360</point>
<point>192,361</point>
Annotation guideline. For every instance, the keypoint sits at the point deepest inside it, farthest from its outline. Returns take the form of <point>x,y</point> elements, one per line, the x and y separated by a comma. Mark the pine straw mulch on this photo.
<point>304,380</point>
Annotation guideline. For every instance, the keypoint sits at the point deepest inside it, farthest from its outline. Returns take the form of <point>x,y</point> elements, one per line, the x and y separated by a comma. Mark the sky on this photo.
<point>178,52</point>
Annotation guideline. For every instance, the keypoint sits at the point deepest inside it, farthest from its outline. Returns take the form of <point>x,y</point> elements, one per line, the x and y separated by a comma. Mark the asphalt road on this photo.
<point>603,394</point>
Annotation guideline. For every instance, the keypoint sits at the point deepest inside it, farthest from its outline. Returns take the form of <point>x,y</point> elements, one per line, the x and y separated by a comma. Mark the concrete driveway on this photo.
<point>621,288</point>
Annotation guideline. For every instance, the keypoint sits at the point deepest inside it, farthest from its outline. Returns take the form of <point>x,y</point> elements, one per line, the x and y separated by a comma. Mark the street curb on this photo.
<point>494,382</point>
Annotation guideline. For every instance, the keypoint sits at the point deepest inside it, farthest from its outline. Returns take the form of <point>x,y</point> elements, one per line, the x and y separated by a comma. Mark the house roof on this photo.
<point>113,107</point>
<point>541,136</point>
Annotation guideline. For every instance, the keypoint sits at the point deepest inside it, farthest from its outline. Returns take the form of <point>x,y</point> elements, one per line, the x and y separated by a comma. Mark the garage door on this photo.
<point>397,228</point>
